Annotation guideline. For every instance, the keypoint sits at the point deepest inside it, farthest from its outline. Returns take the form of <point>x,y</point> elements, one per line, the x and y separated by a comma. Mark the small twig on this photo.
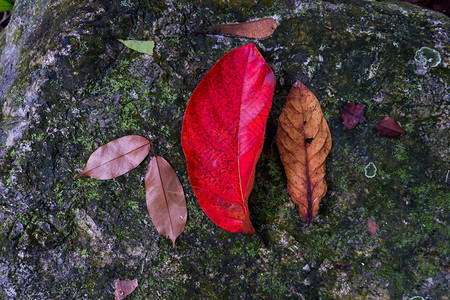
<point>198,32</point>
<point>5,16</point>
<point>143,127</point>
<point>261,238</point>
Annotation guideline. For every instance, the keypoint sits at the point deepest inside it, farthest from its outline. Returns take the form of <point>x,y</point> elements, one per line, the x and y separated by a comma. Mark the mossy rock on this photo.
<point>67,86</point>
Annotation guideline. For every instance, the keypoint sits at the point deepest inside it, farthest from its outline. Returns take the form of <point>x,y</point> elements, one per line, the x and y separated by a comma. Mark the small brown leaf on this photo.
<point>304,141</point>
<point>166,203</point>
<point>372,227</point>
<point>389,127</point>
<point>117,157</point>
<point>352,114</point>
<point>258,29</point>
<point>124,288</point>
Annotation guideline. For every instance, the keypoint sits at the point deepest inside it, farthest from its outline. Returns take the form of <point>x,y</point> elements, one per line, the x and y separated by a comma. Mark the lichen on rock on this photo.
<point>427,57</point>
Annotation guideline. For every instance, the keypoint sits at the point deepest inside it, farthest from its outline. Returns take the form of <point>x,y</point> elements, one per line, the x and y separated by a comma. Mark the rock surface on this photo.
<point>67,86</point>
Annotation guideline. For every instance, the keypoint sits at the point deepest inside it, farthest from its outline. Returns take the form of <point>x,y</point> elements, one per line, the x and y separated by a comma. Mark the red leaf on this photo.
<point>442,6</point>
<point>352,114</point>
<point>389,127</point>
<point>223,134</point>
<point>116,158</point>
<point>372,227</point>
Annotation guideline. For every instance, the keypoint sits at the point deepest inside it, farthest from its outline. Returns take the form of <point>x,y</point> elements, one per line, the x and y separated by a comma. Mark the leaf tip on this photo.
<point>297,84</point>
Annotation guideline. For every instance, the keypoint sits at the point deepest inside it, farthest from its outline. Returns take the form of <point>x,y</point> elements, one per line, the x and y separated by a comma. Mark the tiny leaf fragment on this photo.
<point>372,227</point>
<point>116,158</point>
<point>166,203</point>
<point>389,127</point>
<point>352,114</point>
<point>257,29</point>
<point>124,288</point>
<point>140,46</point>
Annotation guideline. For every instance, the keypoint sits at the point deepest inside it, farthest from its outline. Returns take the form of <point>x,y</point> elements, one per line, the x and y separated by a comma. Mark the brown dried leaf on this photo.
<point>352,114</point>
<point>304,141</point>
<point>389,127</point>
<point>124,288</point>
<point>258,29</point>
<point>372,227</point>
<point>166,203</point>
<point>116,158</point>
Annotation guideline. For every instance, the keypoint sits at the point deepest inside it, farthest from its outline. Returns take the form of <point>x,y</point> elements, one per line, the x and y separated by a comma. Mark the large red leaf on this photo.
<point>223,134</point>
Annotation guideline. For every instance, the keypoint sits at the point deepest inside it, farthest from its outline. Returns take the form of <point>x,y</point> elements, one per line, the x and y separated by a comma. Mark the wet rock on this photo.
<point>67,86</point>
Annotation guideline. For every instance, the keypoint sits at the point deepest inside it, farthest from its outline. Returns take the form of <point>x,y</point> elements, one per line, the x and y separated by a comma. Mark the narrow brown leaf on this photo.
<point>124,288</point>
<point>258,29</point>
<point>352,114</point>
<point>389,127</point>
<point>372,227</point>
<point>166,203</point>
<point>304,141</point>
<point>116,158</point>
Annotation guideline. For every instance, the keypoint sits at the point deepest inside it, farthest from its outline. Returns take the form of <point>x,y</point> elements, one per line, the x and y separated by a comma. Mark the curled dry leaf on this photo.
<point>116,158</point>
<point>352,114</point>
<point>258,29</point>
<point>304,141</point>
<point>166,203</point>
<point>372,227</point>
<point>223,134</point>
<point>389,127</point>
<point>124,288</point>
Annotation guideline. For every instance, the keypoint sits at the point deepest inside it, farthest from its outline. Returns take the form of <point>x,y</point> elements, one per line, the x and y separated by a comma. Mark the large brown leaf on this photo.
<point>117,157</point>
<point>166,203</point>
<point>304,141</point>
<point>257,29</point>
